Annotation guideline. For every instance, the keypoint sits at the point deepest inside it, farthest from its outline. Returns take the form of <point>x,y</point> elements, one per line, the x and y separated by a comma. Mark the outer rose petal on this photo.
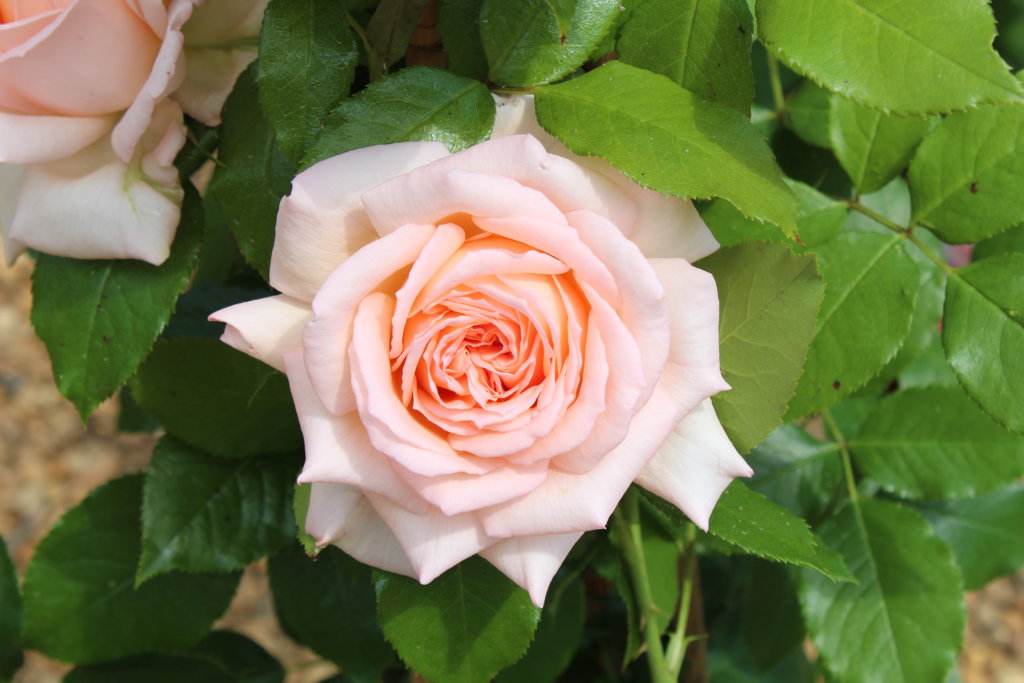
<point>695,464</point>
<point>322,222</point>
<point>531,561</point>
<point>10,186</point>
<point>343,516</point>
<point>266,329</point>
<point>31,139</point>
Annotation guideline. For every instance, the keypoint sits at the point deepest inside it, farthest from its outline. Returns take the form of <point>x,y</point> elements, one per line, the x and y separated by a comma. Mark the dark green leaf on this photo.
<point>151,668</point>
<point>753,523</point>
<point>538,41</point>
<point>420,103</point>
<point>327,604</point>
<point>985,532</point>
<point>838,43</point>
<point>206,514</point>
<point>10,616</point>
<point>1008,241</point>
<point>307,61</point>
<point>904,618</point>
<point>983,334</point>
<point>807,113</point>
<point>131,418</point>
<point>768,298</point>
<point>239,656</point>
<point>252,174</point>
<point>797,471</point>
<point>206,393</point>
<point>458,22</point>
<point>667,139</point>
<point>80,605</point>
<point>99,319</point>
<point>770,615</point>
<point>968,175</point>
<point>702,46</point>
<point>463,627</point>
<point>936,443</point>
<point>870,288</point>
<point>872,147</point>
<point>389,31</point>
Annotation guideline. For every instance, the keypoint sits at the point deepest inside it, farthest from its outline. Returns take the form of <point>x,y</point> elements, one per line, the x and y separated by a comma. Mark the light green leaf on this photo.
<point>768,298</point>
<point>215,398</point>
<point>1008,241</point>
<point>905,614</point>
<point>307,61</point>
<point>458,22</point>
<point>753,523</point>
<point>667,139</point>
<point>797,471</point>
<point>702,46</point>
<point>463,627</point>
<point>538,41</point>
<point>967,177</point>
<point>870,288</point>
<point>80,605</point>
<point>983,334</point>
<point>10,616</point>
<point>985,532</point>
<point>99,318</point>
<point>201,513</point>
<point>936,443</point>
<point>420,103</point>
<point>872,147</point>
<point>807,113</point>
<point>327,604</point>
<point>881,53</point>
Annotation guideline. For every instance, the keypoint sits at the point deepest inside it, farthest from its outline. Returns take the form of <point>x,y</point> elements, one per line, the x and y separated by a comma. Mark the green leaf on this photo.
<point>797,471</point>
<point>985,533</point>
<point>983,334</point>
<point>538,41</point>
<point>420,103</point>
<point>936,443</point>
<point>872,147</point>
<point>327,604</point>
<point>838,43</point>
<point>770,620</point>
<point>458,22</point>
<point>807,113</point>
<point>10,616</point>
<point>667,139</point>
<point>300,508</point>
<point>239,656</point>
<point>463,627</point>
<point>213,397</point>
<point>307,61</point>
<point>967,177</point>
<point>750,521</point>
<point>80,605</point>
<point>206,514</point>
<point>558,636</point>
<point>702,46</point>
<point>768,298</point>
<point>1008,241</point>
<point>99,318</point>
<point>389,30</point>
<point>871,284</point>
<point>252,174</point>
<point>904,618</point>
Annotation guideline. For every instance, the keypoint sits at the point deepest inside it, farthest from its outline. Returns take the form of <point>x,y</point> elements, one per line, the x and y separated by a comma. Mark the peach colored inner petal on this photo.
<point>16,10</point>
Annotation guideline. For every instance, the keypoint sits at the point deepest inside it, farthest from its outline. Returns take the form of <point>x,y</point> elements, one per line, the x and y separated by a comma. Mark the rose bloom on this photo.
<point>486,348</point>
<point>88,127</point>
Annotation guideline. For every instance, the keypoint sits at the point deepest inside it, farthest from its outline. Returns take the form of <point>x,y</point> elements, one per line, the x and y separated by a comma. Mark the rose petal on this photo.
<point>323,222</point>
<point>531,561</point>
<point>10,187</point>
<point>210,75</point>
<point>457,493</point>
<point>32,139</point>
<point>266,329</point>
<point>696,463</point>
<point>343,516</point>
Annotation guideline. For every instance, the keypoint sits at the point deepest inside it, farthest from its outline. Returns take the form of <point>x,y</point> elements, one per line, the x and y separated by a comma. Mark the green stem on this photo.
<point>776,82</point>
<point>626,520</point>
<point>851,483</point>
<point>906,232</point>
<point>678,642</point>
<point>877,217</point>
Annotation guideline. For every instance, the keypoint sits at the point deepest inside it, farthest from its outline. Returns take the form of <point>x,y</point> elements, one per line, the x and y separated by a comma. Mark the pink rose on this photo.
<point>86,108</point>
<point>485,349</point>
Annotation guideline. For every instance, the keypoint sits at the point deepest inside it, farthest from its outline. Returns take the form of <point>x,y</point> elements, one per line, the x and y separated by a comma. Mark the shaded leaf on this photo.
<point>797,471</point>
<point>10,616</point>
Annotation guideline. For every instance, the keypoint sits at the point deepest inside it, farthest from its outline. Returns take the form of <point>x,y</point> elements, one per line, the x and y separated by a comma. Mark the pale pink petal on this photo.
<point>30,139</point>
<point>266,329</point>
<point>695,464</point>
<point>433,541</point>
<point>531,561</point>
<point>457,493</point>
<point>568,502</point>
<point>433,193</point>
<point>692,372</point>
<point>323,222</point>
<point>338,450</point>
<point>21,22</point>
<point>210,74</point>
<point>343,516</point>
<point>327,336</point>
<point>10,187</point>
